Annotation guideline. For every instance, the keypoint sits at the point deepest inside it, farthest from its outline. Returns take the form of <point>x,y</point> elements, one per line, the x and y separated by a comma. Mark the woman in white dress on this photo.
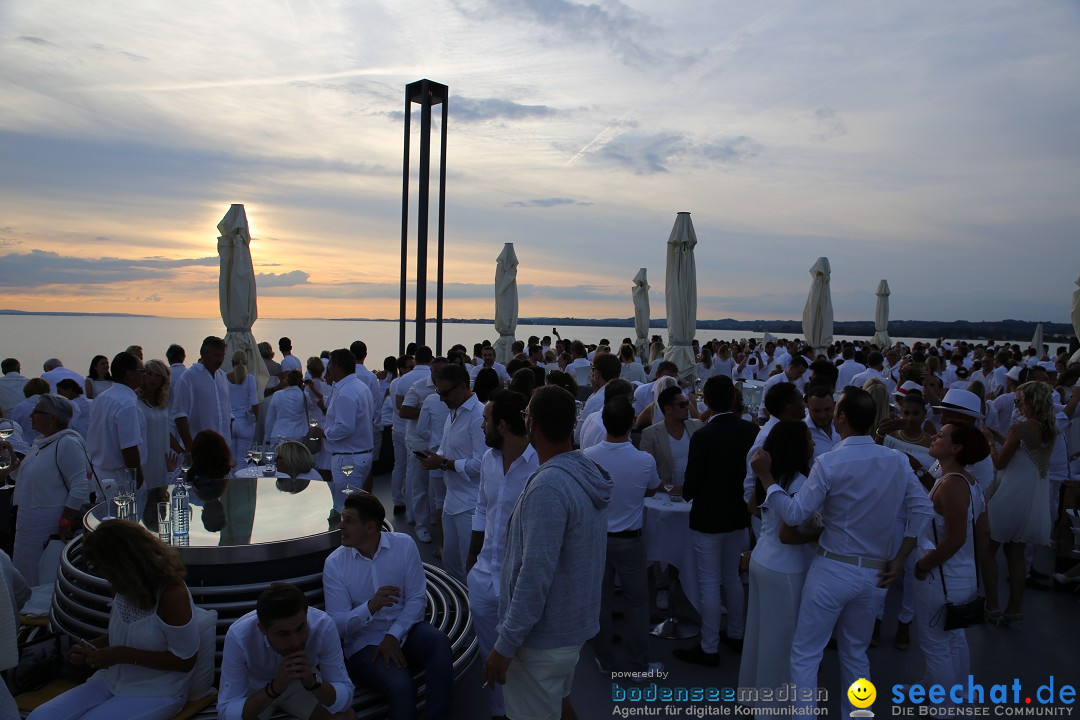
<point>630,370</point>
<point>1018,510</point>
<point>723,363</point>
<point>947,553</point>
<point>154,406</point>
<point>706,368</point>
<point>778,563</point>
<point>98,379</point>
<point>145,660</point>
<point>287,417</point>
<point>244,403</point>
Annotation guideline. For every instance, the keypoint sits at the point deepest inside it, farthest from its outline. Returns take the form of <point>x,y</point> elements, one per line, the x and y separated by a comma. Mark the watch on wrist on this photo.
<point>315,685</point>
<point>446,464</point>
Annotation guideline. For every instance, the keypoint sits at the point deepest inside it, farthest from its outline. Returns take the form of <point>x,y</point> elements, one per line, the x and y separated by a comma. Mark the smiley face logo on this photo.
<point>862,693</point>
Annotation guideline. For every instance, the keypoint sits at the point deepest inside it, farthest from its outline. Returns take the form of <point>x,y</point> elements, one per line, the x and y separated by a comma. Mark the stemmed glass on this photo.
<point>7,428</point>
<point>125,493</point>
<point>185,465</point>
<point>6,461</point>
<point>255,453</point>
<point>668,486</point>
<point>347,470</point>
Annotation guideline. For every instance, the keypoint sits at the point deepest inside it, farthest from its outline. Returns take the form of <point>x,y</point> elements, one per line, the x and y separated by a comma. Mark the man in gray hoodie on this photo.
<point>549,600</point>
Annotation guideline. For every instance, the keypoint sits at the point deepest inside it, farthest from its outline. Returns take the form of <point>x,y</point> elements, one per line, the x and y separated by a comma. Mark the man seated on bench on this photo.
<point>284,656</point>
<point>376,592</point>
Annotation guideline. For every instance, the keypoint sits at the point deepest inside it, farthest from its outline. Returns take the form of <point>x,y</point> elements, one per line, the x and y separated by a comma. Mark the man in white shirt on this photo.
<point>348,427</point>
<point>849,368</point>
<point>459,458</point>
<point>11,386</point>
<point>405,364</point>
<point>634,474</point>
<point>875,369</point>
<point>592,430</point>
<point>284,656</point>
<point>54,372</point>
<point>784,402</point>
<point>605,368</point>
<point>643,395</point>
<point>116,433</point>
<point>794,374</point>
<point>288,360</point>
<point>202,395</point>
<point>487,360</point>
<point>413,389</point>
<point>376,592</point>
<point>504,470</point>
<point>359,350</point>
<point>819,418</point>
<point>860,488</point>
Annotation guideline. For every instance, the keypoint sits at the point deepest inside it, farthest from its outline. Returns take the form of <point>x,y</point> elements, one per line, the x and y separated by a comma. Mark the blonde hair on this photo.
<point>879,393</point>
<point>1038,398</point>
<point>239,367</point>
<point>293,458</point>
<point>161,370</point>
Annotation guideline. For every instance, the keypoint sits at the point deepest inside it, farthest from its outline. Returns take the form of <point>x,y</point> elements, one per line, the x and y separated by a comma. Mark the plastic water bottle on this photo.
<point>180,511</point>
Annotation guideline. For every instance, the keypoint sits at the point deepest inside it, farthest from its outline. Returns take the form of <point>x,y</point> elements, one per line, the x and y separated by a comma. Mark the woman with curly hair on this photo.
<point>146,658</point>
<point>1018,509</point>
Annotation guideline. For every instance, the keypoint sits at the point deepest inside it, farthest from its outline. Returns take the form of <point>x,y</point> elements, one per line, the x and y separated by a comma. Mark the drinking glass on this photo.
<point>109,488</point>
<point>313,423</point>
<point>125,493</point>
<point>131,477</point>
<point>256,453</point>
<point>164,520</point>
<point>269,454</point>
<point>668,485</point>
<point>7,428</point>
<point>347,470</point>
<point>185,464</point>
<point>247,456</point>
<point>6,460</point>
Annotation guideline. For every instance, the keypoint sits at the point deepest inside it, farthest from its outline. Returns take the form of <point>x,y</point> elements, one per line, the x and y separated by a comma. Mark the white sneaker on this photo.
<point>423,535</point>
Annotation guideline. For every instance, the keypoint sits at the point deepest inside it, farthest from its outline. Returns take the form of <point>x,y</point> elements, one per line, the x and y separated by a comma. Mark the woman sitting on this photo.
<point>146,658</point>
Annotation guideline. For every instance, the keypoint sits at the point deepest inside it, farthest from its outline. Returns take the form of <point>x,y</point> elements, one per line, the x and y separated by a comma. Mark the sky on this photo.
<point>931,144</point>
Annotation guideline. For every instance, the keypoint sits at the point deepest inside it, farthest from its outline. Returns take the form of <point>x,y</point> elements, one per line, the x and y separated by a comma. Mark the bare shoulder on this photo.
<point>174,607</point>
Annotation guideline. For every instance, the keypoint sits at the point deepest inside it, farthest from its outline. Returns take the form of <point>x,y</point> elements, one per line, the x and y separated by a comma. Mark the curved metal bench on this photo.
<point>81,607</point>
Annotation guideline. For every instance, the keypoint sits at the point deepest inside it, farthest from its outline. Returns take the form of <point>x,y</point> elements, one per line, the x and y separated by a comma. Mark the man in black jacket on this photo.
<point>718,518</point>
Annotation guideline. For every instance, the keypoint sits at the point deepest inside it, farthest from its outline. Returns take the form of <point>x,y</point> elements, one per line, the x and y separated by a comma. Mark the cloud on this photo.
<point>547,202</point>
<point>471,110</point>
<point>40,267</point>
<point>115,51</point>
<point>451,291</point>
<point>33,40</point>
<point>285,279</point>
<point>827,123</point>
<point>649,154</point>
<point>614,23</point>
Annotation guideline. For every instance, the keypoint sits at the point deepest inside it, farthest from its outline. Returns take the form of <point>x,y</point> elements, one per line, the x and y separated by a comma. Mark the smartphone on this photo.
<point>421,455</point>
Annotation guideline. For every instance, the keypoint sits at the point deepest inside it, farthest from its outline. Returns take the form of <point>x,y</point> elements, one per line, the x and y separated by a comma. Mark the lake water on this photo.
<point>75,340</point>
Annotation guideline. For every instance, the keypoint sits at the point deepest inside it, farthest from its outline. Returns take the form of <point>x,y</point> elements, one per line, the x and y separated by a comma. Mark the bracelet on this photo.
<point>269,690</point>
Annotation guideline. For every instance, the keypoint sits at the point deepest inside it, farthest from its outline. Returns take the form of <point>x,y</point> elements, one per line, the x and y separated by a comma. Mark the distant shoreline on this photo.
<point>1018,330</point>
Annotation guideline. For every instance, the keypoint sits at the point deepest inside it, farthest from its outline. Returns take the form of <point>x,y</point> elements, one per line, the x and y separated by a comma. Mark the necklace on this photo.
<point>914,441</point>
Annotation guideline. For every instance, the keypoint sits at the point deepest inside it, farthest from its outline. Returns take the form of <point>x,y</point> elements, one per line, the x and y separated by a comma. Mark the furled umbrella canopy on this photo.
<point>640,294</point>
<point>881,316</point>
<point>680,294</point>
<point>506,302</point>
<point>817,318</point>
<point>1037,341</point>
<point>236,292</point>
<point>1076,318</point>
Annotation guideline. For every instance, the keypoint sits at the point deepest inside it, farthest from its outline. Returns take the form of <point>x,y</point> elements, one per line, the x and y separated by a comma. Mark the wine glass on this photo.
<point>313,423</point>
<point>347,470</point>
<point>668,485</point>
<point>7,428</point>
<point>6,460</point>
<point>125,493</point>
<point>185,464</point>
<point>247,456</point>
<point>256,453</point>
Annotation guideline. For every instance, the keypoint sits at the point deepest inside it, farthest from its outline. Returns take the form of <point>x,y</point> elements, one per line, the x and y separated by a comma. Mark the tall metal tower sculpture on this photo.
<point>426,93</point>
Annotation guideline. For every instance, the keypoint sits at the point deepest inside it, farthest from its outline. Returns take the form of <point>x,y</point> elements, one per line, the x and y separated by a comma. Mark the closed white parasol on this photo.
<point>680,294</point>
<point>506,302</point>
<point>817,317</point>
<point>236,292</point>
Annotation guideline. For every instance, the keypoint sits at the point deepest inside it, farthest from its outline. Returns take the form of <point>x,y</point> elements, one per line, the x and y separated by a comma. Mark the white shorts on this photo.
<point>538,680</point>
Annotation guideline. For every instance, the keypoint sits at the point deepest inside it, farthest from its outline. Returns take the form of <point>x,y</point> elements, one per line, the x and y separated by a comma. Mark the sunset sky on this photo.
<point>931,144</point>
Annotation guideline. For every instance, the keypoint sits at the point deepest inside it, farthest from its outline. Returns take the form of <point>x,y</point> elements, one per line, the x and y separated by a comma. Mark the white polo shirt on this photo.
<point>633,472</point>
<point>116,424</point>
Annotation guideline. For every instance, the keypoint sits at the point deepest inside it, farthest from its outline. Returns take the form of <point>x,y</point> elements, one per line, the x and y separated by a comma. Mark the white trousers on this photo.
<point>718,566</point>
<point>93,701</point>
<point>397,477</point>
<point>339,481</point>
<point>437,488</point>
<point>417,487</point>
<point>845,597</point>
<point>484,606</point>
<point>243,435</point>
<point>907,594</point>
<point>945,652</point>
<point>457,532</point>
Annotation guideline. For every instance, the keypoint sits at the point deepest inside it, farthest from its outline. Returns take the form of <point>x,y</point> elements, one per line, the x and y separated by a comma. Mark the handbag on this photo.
<point>313,444</point>
<point>973,612</point>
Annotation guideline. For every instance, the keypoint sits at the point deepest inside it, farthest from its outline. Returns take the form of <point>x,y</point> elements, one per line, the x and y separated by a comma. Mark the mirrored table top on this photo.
<point>243,519</point>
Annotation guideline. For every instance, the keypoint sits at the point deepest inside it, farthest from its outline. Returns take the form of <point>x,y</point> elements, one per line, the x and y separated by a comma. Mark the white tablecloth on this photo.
<point>667,539</point>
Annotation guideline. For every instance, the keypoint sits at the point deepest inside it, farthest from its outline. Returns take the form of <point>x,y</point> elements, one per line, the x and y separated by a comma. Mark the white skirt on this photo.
<point>771,614</point>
